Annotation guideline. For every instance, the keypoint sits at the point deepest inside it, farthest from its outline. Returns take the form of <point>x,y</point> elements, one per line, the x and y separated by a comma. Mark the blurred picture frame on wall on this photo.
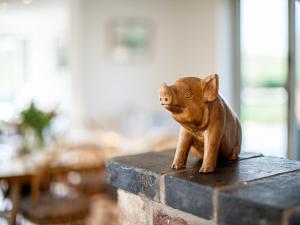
<point>129,40</point>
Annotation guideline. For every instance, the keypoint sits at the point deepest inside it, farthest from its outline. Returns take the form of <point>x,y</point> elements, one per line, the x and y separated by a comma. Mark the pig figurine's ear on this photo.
<point>210,87</point>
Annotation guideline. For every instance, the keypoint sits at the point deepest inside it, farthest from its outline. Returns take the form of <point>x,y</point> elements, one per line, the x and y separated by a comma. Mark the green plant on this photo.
<point>36,120</point>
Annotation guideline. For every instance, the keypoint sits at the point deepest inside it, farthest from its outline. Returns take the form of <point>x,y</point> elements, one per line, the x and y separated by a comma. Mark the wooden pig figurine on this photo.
<point>208,126</point>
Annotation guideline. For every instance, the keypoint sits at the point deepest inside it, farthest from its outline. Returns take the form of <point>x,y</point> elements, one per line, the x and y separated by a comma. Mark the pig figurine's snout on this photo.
<point>165,95</point>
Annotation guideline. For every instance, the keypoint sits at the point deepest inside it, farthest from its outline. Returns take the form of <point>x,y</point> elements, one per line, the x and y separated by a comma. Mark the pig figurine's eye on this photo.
<point>188,94</point>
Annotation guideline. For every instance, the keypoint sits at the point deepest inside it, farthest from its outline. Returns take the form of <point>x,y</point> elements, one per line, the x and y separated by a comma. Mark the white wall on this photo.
<point>189,39</point>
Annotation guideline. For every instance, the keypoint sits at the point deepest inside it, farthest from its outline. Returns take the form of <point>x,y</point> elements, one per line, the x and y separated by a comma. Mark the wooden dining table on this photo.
<point>16,170</point>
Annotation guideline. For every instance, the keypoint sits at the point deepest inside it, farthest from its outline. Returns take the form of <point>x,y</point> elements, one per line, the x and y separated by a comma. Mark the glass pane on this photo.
<point>297,100</point>
<point>298,61</point>
<point>264,74</point>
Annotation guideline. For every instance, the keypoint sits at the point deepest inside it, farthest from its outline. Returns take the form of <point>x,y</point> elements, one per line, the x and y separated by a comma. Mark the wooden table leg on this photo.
<point>15,198</point>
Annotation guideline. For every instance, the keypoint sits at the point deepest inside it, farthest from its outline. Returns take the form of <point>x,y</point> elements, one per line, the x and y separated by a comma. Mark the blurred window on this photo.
<point>33,60</point>
<point>12,71</point>
<point>264,99</point>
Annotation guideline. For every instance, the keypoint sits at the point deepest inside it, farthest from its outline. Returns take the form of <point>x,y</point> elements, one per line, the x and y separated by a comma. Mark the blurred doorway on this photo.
<point>264,99</point>
<point>268,40</point>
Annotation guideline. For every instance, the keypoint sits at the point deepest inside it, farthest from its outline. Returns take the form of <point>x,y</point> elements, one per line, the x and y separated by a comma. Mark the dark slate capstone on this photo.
<point>192,192</point>
<point>261,202</point>
<point>140,174</point>
<point>187,196</point>
<point>249,155</point>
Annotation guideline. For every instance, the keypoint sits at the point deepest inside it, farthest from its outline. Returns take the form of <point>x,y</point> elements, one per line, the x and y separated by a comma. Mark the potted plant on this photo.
<point>33,126</point>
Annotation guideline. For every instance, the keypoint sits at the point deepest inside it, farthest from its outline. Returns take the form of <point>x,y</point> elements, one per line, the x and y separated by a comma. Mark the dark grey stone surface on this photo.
<point>249,155</point>
<point>140,174</point>
<point>261,202</point>
<point>192,192</point>
<point>252,213</point>
<point>189,196</point>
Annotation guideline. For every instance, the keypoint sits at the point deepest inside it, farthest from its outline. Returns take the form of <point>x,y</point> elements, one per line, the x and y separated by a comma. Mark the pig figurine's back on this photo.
<point>208,126</point>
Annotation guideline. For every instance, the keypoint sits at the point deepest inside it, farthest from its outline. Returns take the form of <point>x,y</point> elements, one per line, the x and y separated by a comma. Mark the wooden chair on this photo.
<point>87,177</point>
<point>42,207</point>
<point>88,183</point>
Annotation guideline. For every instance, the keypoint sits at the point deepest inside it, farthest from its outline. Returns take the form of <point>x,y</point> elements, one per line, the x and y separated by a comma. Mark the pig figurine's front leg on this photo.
<point>212,140</point>
<point>182,150</point>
